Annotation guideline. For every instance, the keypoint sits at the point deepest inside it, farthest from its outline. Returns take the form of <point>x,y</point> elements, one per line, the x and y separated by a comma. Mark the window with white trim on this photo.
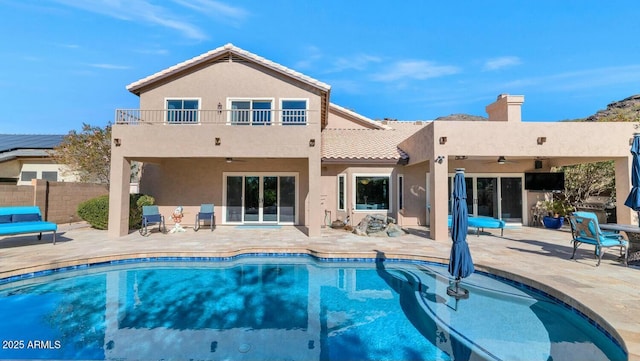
<point>400,191</point>
<point>251,112</point>
<point>181,111</point>
<point>294,111</point>
<point>51,176</point>
<point>342,187</point>
<point>372,192</point>
<point>27,176</point>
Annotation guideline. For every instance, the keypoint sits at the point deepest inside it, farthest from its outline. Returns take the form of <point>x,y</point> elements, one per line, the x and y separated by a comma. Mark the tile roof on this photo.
<point>228,48</point>
<point>368,145</point>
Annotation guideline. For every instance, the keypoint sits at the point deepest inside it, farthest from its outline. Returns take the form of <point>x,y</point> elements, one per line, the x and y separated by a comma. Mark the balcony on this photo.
<point>240,117</point>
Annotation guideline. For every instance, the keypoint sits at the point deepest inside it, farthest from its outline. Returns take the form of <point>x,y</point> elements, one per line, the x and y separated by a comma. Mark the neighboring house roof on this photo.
<point>27,145</point>
<point>216,53</point>
<point>368,145</point>
<point>357,117</point>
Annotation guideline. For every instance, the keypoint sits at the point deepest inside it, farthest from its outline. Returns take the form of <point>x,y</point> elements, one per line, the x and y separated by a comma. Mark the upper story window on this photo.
<point>182,110</point>
<point>251,112</point>
<point>294,111</point>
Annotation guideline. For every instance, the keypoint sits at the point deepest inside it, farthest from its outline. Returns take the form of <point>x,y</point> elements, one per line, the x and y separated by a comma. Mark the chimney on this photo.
<point>507,108</point>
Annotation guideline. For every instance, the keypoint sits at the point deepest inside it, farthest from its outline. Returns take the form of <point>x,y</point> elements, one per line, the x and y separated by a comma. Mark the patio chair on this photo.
<point>206,213</point>
<point>586,229</point>
<point>150,215</point>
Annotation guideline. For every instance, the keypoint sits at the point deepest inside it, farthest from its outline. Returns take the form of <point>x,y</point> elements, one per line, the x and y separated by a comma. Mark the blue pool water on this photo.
<point>287,308</point>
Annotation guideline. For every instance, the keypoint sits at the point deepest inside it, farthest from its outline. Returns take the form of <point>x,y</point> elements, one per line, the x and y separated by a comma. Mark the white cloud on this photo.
<point>502,62</point>
<point>416,70</point>
<point>152,51</point>
<point>583,79</point>
<point>311,55</point>
<point>215,9</point>
<point>145,11</point>
<point>356,62</point>
<point>109,66</point>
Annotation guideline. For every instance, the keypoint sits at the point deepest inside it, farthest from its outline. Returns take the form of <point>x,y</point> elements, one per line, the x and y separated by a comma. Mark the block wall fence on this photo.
<point>58,201</point>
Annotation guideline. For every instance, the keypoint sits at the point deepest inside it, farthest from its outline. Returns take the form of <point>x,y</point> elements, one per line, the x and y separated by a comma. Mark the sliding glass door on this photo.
<point>493,196</point>
<point>260,198</point>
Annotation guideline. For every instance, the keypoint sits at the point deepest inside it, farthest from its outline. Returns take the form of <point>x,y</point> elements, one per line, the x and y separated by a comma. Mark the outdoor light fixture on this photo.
<point>443,140</point>
<point>117,142</point>
<point>541,140</point>
<point>229,160</point>
<point>218,142</point>
<point>461,157</point>
<point>312,142</point>
<point>439,159</point>
<point>501,160</point>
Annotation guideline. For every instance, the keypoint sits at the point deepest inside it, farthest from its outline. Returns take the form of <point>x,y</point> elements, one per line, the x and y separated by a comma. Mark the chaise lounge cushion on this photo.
<point>28,217</point>
<point>27,227</point>
<point>5,218</point>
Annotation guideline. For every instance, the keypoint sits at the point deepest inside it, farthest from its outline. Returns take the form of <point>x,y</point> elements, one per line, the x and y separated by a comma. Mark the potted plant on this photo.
<point>556,212</point>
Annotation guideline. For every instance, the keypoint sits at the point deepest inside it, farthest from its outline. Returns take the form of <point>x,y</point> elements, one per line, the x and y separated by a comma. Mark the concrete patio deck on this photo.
<point>609,294</point>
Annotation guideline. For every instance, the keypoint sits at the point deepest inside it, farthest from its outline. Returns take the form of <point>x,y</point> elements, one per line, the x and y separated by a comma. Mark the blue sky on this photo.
<point>67,62</point>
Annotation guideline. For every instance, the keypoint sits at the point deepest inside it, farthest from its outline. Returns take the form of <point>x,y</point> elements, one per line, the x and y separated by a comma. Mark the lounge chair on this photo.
<point>482,222</point>
<point>206,213</point>
<point>586,229</point>
<point>150,214</point>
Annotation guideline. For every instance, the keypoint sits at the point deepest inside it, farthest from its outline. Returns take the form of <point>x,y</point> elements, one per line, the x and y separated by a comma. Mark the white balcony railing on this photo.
<point>230,117</point>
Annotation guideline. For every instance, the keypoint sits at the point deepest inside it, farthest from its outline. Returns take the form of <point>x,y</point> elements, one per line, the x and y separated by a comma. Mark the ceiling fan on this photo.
<point>502,160</point>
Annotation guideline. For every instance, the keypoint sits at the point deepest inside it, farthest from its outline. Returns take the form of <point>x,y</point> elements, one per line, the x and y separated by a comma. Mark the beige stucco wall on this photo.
<point>414,192</point>
<point>192,182</point>
<point>218,82</point>
<point>337,120</point>
<point>482,142</point>
<point>188,154</point>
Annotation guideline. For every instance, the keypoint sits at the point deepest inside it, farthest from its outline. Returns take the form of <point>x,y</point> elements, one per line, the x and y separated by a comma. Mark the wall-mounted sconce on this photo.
<point>229,160</point>
<point>541,140</point>
<point>117,142</point>
<point>218,142</point>
<point>442,140</point>
<point>439,159</point>
<point>501,160</point>
<point>461,157</point>
<point>312,142</point>
<point>219,108</point>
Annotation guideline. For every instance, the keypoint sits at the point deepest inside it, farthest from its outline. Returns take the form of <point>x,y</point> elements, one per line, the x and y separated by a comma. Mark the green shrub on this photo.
<point>136,201</point>
<point>95,211</point>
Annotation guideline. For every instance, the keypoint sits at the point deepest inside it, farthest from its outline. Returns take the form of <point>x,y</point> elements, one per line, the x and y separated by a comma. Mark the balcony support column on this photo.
<point>119,195</point>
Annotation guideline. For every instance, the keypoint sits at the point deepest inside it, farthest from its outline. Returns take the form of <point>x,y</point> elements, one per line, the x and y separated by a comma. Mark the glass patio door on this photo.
<point>260,199</point>
<point>511,199</point>
<point>487,196</point>
<point>269,199</point>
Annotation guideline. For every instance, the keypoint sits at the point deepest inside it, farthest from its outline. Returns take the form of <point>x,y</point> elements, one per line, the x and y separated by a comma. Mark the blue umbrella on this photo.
<point>460,262</point>
<point>633,200</point>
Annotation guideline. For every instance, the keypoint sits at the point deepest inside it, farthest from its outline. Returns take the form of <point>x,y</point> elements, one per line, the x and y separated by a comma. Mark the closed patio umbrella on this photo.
<point>633,200</point>
<point>460,262</point>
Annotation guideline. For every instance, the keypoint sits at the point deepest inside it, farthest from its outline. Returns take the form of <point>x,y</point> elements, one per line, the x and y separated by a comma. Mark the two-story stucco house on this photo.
<point>265,144</point>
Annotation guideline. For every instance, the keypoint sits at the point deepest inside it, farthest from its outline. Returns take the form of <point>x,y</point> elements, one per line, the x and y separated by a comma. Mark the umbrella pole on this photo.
<point>458,293</point>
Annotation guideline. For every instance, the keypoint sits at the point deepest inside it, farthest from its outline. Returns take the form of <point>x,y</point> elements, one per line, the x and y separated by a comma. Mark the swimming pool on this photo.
<point>286,307</point>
